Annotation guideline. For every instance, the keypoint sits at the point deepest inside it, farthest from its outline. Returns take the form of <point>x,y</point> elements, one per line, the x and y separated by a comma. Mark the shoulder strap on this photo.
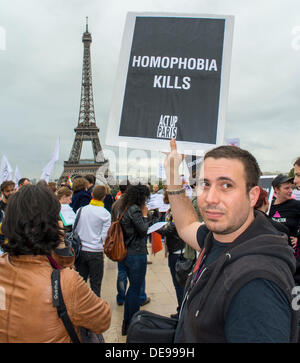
<point>121,216</point>
<point>59,304</point>
<point>77,219</point>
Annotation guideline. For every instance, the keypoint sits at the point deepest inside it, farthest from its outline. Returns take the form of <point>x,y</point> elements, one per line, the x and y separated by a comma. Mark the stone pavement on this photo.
<point>159,287</point>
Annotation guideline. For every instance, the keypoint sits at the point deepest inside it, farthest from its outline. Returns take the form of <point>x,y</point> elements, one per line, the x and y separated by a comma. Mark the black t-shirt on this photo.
<point>252,312</point>
<point>287,213</point>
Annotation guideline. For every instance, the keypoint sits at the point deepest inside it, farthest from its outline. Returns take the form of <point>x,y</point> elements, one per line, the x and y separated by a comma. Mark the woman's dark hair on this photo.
<point>31,222</point>
<point>135,194</point>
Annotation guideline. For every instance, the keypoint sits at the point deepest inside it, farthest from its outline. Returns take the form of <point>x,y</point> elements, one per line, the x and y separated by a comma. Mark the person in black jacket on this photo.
<point>242,286</point>
<point>81,197</point>
<point>135,226</point>
<point>122,277</point>
<point>262,205</point>
<point>175,247</point>
<point>109,200</point>
<point>285,209</point>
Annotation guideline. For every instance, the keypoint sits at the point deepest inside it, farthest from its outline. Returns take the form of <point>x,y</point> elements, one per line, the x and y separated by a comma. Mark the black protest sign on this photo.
<point>173,85</point>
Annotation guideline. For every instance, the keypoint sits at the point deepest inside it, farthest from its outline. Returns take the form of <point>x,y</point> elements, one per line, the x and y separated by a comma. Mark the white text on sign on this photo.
<point>174,81</point>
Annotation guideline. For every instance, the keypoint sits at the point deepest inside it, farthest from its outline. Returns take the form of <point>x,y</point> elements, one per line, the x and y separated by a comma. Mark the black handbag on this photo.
<point>147,327</point>
<point>58,302</point>
<point>183,268</point>
<point>72,239</point>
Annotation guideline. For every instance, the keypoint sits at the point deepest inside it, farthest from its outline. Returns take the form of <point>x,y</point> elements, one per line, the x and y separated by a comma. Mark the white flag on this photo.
<point>17,176</point>
<point>47,171</point>
<point>233,142</point>
<point>6,170</point>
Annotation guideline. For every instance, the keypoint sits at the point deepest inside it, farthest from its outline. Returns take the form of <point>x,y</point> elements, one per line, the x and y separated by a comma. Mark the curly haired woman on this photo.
<point>34,239</point>
<point>135,226</point>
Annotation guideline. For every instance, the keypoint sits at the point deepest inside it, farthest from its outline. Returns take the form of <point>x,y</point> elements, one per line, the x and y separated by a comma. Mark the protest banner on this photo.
<point>47,170</point>
<point>6,171</point>
<point>172,82</point>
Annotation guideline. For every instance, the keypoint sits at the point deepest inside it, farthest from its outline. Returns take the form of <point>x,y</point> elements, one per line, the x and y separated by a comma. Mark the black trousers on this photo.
<point>90,265</point>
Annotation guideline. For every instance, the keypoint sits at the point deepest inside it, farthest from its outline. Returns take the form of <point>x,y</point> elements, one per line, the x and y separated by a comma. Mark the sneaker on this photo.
<point>146,301</point>
<point>149,262</point>
<point>120,303</point>
<point>174,316</point>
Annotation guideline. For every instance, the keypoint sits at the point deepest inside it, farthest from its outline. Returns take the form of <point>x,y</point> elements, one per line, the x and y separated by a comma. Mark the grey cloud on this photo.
<point>40,74</point>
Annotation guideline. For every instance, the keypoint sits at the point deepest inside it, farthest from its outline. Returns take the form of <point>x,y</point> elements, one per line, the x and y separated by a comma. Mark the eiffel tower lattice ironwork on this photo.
<point>86,129</point>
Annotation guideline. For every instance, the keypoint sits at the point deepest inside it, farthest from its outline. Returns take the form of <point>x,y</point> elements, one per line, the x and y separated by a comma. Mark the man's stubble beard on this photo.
<point>226,229</point>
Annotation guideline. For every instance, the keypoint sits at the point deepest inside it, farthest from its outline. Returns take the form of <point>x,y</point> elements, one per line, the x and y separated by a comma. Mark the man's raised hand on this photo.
<point>172,162</point>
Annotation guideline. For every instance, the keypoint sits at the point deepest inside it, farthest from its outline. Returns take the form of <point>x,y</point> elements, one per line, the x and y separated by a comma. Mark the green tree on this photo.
<point>292,173</point>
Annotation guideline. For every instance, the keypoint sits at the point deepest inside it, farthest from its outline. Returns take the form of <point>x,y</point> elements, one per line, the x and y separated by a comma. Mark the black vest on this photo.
<point>265,256</point>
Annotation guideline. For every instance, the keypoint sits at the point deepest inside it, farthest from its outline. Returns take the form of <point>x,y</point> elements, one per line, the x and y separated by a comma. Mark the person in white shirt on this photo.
<point>92,228</point>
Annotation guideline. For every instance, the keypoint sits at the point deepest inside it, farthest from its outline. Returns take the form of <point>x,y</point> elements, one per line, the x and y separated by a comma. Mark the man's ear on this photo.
<point>253,195</point>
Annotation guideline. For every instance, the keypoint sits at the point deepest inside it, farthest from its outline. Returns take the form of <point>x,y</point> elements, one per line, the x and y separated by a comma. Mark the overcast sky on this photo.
<point>41,64</point>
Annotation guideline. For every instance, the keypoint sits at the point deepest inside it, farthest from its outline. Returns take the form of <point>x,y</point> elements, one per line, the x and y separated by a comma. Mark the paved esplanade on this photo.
<point>159,287</point>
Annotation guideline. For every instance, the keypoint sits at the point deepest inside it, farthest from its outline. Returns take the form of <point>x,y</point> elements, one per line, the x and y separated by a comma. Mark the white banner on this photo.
<point>47,171</point>
<point>6,171</point>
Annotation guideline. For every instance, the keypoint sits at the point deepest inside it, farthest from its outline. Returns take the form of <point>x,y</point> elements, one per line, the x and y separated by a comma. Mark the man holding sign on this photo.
<point>241,286</point>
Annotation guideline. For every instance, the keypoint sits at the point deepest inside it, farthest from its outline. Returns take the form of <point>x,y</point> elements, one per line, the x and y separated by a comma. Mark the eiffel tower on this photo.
<point>87,129</point>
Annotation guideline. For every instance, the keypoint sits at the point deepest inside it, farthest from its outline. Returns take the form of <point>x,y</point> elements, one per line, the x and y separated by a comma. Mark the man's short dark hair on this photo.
<point>251,167</point>
<point>31,222</point>
<point>297,162</point>
<point>6,184</point>
<point>22,181</point>
<point>91,178</point>
<point>99,192</point>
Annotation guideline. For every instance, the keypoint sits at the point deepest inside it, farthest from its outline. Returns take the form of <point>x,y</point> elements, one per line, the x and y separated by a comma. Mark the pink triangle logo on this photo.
<point>276,215</point>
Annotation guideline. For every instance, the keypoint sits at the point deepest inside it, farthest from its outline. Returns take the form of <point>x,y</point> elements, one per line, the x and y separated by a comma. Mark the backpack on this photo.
<point>72,239</point>
<point>114,246</point>
<point>147,327</point>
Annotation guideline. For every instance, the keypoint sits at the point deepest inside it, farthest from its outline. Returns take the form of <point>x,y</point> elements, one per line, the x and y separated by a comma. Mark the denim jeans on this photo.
<point>90,265</point>
<point>122,285</point>
<point>135,266</point>
<point>172,259</point>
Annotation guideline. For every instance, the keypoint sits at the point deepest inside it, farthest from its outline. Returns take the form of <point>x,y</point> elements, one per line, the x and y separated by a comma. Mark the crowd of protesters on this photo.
<point>247,249</point>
